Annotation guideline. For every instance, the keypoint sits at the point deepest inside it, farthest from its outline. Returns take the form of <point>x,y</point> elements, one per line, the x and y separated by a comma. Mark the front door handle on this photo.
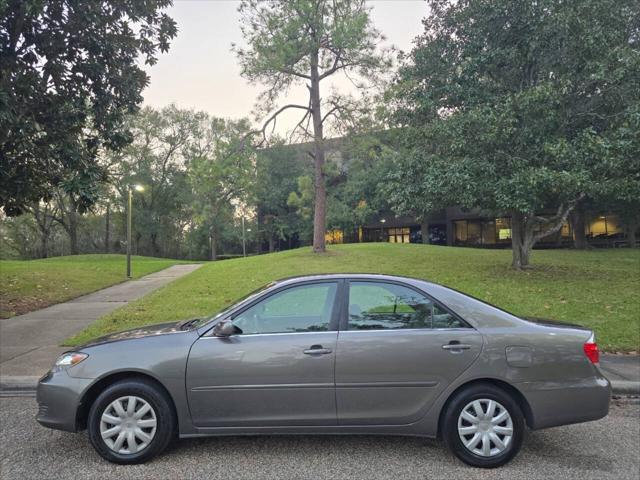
<point>456,346</point>
<point>316,350</point>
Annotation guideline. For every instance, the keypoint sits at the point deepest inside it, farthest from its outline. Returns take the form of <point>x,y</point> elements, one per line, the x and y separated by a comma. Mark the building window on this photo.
<point>460,231</point>
<point>488,232</point>
<point>399,235</point>
<point>474,232</point>
<point>603,226</point>
<point>503,229</point>
<point>334,236</point>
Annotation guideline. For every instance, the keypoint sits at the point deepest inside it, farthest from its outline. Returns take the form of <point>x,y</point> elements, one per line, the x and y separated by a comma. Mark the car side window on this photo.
<point>388,306</point>
<point>306,308</point>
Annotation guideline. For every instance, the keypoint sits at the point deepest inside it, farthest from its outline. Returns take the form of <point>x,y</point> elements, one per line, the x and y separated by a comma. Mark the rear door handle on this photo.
<point>316,350</point>
<point>456,346</point>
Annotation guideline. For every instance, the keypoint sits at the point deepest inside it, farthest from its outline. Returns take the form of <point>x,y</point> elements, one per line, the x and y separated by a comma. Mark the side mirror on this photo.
<point>226,328</point>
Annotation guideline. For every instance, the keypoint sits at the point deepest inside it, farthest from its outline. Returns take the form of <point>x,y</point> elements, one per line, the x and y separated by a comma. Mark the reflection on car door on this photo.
<point>279,371</point>
<point>397,350</point>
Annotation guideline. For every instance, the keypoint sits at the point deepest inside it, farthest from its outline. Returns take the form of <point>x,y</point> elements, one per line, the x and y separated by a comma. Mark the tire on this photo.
<point>457,426</point>
<point>157,424</point>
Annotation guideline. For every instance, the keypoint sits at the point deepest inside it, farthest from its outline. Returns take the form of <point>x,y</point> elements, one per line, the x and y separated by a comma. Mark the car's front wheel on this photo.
<point>483,426</point>
<point>131,421</point>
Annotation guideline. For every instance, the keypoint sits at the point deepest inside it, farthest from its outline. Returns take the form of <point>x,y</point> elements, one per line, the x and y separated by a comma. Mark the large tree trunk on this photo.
<point>107,221</point>
<point>528,228</point>
<point>519,250</point>
<point>213,253</point>
<point>424,229</point>
<point>320,204</point>
<point>44,244</point>
<point>72,218</point>
<point>155,249</point>
<point>271,243</point>
<point>578,226</point>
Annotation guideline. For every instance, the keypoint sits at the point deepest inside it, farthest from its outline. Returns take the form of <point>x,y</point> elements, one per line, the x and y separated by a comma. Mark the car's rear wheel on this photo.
<point>131,422</point>
<point>483,426</point>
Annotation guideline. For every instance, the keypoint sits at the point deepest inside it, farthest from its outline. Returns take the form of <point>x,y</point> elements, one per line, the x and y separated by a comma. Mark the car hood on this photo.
<point>146,331</point>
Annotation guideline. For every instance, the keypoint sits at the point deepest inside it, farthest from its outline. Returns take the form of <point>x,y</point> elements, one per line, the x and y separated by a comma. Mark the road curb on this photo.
<point>18,384</point>
<point>625,387</point>
<point>27,385</point>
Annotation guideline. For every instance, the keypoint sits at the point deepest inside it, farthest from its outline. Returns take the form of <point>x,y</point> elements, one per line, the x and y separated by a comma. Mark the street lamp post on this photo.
<point>138,188</point>
<point>244,247</point>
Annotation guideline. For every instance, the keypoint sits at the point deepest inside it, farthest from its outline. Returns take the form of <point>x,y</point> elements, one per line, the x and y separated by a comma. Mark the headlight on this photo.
<point>68,359</point>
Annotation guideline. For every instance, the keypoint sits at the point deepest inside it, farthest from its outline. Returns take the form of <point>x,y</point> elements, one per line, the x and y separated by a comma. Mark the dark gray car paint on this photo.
<point>379,388</point>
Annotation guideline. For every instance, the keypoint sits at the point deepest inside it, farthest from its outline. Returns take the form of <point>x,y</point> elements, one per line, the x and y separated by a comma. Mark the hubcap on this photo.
<point>128,425</point>
<point>485,427</point>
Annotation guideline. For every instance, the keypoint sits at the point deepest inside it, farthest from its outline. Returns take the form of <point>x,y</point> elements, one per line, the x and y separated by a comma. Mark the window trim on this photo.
<point>333,319</point>
<point>344,320</point>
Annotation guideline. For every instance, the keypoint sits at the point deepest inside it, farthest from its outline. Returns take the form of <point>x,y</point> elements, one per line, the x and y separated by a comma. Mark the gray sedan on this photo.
<point>331,354</point>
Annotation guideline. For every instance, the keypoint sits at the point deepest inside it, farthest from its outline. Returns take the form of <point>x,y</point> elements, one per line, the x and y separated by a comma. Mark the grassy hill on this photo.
<point>27,285</point>
<point>596,288</point>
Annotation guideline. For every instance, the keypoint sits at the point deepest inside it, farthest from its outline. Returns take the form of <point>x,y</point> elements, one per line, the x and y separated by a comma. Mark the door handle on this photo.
<point>316,350</point>
<point>456,346</point>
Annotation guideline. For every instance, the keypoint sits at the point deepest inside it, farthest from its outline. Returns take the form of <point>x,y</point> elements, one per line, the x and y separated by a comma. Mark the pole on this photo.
<point>244,248</point>
<point>129,234</point>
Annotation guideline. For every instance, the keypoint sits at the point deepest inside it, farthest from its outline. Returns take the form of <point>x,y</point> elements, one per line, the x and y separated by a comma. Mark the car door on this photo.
<point>397,351</point>
<point>278,371</point>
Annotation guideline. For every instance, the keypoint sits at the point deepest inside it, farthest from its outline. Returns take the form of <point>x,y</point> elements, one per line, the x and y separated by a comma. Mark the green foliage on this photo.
<point>302,199</point>
<point>307,41</point>
<point>69,74</point>
<point>597,288</point>
<point>219,173</point>
<point>278,169</point>
<point>284,37</point>
<point>520,106</point>
<point>356,196</point>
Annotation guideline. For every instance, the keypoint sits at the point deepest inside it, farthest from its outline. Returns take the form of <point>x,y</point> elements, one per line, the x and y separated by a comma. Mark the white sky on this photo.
<point>201,72</point>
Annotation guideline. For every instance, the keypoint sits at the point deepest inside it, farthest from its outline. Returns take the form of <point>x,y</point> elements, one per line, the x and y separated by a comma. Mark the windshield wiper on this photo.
<point>189,323</point>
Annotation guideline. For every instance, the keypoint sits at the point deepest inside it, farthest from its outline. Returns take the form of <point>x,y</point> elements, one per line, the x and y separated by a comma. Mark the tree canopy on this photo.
<point>69,75</point>
<point>308,41</point>
<point>520,107</point>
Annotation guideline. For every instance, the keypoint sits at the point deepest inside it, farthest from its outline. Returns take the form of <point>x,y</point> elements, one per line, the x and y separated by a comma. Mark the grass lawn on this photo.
<point>598,288</point>
<point>27,285</point>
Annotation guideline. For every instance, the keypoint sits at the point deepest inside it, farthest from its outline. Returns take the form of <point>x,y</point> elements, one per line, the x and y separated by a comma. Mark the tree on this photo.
<point>510,107</point>
<point>156,159</point>
<point>69,74</point>
<point>308,41</point>
<point>219,173</point>
<point>277,170</point>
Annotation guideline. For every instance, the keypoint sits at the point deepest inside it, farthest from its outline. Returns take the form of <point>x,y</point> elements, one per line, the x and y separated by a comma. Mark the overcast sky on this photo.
<point>201,72</point>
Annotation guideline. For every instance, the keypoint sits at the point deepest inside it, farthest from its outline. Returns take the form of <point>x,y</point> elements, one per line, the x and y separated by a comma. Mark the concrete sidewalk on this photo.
<point>29,343</point>
<point>623,371</point>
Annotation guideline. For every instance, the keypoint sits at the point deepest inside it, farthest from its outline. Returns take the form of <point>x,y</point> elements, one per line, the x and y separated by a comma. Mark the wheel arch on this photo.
<point>90,395</point>
<point>501,384</point>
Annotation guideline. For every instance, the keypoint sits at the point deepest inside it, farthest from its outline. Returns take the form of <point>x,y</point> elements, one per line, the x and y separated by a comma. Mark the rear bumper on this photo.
<point>58,396</point>
<point>554,404</point>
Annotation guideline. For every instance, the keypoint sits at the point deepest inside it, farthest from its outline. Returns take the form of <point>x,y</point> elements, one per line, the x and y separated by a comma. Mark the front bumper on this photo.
<point>554,404</point>
<point>58,396</point>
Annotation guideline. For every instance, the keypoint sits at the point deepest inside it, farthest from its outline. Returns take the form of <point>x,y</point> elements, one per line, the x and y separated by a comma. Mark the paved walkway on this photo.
<point>30,343</point>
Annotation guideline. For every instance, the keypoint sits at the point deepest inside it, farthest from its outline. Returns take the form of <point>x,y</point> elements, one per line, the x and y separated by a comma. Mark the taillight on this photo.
<point>591,349</point>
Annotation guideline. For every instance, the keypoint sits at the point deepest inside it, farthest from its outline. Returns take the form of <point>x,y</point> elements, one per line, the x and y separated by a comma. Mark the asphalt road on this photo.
<point>604,449</point>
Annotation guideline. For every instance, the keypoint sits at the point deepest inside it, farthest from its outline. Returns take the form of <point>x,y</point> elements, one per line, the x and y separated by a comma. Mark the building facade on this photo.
<point>456,227</point>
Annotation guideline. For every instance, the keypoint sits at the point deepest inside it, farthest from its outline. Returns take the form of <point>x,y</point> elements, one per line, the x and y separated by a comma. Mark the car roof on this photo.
<point>340,276</point>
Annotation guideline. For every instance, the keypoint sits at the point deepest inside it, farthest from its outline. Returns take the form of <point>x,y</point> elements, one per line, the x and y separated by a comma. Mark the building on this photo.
<point>454,226</point>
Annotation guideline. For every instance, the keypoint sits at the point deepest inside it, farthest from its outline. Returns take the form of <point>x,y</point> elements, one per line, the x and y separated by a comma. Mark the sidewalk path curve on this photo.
<point>30,343</point>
